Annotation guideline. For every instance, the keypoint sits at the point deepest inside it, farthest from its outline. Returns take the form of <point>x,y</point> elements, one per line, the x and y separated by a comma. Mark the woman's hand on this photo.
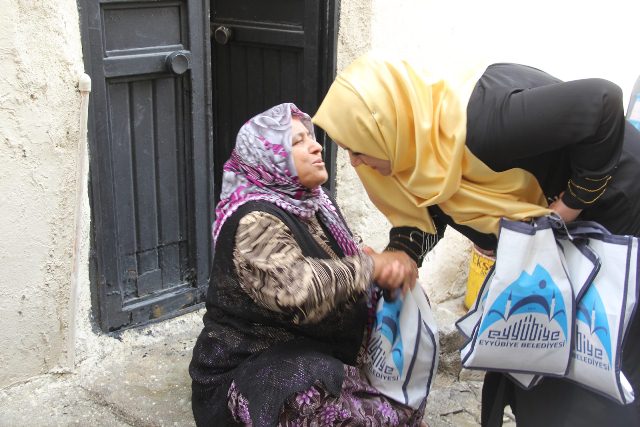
<point>566,213</point>
<point>393,270</point>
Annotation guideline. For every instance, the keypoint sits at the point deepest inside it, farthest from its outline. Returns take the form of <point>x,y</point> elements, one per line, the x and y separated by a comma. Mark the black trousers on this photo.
<point>519,116</point>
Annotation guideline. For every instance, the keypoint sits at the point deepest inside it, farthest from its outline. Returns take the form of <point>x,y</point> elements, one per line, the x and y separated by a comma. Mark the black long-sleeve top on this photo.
<point>602,178</point>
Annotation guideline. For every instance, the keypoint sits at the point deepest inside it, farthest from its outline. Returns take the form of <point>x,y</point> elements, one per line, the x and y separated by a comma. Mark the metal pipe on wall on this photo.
<point>84,85</point>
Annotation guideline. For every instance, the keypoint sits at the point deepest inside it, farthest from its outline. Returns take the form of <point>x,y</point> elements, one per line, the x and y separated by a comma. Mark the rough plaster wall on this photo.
<point>580,39</point>
<point>363,27</point>
<point>468,30</point>
<point>400,29</point>
<point>40,57</point>
<point>354,39</point>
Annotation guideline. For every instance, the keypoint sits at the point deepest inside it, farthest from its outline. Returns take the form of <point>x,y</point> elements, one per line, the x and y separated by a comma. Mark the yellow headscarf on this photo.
<point>393,111</point>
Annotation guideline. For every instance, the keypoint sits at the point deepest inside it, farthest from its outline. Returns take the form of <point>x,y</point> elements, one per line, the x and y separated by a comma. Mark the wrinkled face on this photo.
<point>383,167</point>
<point>307,156</point>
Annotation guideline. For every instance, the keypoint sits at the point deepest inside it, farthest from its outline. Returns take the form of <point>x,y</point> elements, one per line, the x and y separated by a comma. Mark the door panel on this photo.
<point>285,12</point>
<point>149,61</point>
<point>135,26</point>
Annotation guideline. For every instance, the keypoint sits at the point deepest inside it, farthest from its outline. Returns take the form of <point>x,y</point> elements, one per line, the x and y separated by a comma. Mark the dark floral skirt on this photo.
<point>359,404</point>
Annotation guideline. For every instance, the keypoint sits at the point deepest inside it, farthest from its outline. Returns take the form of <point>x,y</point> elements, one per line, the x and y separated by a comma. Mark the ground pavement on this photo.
<point>139,378</point>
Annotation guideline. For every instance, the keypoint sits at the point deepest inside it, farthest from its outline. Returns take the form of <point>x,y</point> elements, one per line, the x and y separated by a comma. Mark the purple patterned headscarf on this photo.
<point>261,168</point>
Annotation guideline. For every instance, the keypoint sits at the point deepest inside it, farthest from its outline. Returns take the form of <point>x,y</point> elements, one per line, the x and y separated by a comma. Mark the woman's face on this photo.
<point>383,167</point>
<point>307,156</point>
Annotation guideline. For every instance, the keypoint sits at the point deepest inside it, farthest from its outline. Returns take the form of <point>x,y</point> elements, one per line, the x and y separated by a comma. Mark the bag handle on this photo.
<point>576,228</point>
<point>587,228</point>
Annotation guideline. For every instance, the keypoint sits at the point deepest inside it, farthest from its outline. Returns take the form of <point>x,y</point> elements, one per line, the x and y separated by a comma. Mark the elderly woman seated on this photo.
<point>287,309</point>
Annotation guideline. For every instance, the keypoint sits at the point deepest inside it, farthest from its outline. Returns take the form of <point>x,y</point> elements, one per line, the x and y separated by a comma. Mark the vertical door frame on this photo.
<point>204,174</point>
<point>329,50</point>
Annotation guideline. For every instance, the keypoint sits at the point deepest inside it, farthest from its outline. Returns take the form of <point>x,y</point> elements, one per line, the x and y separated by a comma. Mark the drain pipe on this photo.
<point>84,85</point>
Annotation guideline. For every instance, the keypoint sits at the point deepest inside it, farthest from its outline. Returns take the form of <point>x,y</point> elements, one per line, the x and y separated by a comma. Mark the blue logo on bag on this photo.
<point>537,301</point>
<point>387,322</point>
<point>592,313</point>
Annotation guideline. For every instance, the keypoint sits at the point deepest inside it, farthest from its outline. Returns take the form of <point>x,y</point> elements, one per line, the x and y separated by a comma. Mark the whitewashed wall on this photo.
<point>570,39</point>
<point>40,58</point>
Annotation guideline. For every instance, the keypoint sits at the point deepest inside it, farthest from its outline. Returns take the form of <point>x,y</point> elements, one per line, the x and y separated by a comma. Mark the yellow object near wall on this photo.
<point>479,266</point>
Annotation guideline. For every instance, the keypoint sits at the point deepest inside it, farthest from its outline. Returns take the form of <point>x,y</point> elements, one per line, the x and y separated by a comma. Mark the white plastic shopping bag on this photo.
<point>581,264</point>
<point>403,349</point>
<point>603,272</point>
<point>603,314</point>
<point>527,318</point>
<point>468,323</point>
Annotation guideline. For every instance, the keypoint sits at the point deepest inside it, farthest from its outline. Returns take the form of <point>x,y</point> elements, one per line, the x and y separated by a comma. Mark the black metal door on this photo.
<point>154,159</point>
<point>265,53</point>
<point>151,183</point>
